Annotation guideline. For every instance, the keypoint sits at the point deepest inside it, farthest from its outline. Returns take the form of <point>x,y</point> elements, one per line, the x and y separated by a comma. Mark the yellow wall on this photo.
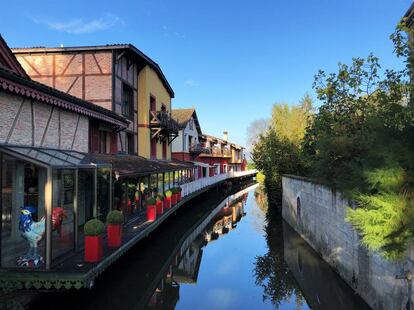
<point>149,84</point>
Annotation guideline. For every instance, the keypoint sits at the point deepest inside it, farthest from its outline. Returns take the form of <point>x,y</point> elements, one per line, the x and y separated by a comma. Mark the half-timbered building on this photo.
<point>119,78</point>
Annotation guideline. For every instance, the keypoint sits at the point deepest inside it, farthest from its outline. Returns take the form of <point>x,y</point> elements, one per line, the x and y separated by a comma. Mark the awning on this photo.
<point>133,165</point>
<point>49,157</point>
<point>199,163</point>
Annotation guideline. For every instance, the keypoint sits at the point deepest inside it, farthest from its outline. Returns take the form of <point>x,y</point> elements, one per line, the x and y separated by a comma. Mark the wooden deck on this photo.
<point>72,272</point>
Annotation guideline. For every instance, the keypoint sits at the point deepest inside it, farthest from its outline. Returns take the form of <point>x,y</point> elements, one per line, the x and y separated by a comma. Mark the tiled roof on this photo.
<point>182,116</point>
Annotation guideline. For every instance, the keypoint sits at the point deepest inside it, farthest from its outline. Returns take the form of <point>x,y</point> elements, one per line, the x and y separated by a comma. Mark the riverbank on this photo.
<point>318,214</point>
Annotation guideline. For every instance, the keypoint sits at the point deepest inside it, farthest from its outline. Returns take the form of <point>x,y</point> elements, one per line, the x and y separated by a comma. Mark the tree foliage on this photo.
<point>361,141</point>
<point>277,151</point>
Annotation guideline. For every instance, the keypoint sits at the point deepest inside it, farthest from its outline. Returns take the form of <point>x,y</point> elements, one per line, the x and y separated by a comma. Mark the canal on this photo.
<point>220,252</point>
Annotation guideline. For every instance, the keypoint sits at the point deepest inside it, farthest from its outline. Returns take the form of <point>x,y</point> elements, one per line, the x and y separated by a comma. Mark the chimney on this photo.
<point>225,135</point>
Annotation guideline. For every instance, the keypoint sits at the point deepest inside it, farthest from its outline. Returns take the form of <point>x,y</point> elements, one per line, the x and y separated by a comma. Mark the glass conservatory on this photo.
<point>47,195</point>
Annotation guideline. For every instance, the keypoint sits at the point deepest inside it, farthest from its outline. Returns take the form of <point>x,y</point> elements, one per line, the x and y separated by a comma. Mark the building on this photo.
<point>187,146</point>
<point>222,155</point>
<point>45,166</point>
<point>119,78</point>
<point>61,166</point>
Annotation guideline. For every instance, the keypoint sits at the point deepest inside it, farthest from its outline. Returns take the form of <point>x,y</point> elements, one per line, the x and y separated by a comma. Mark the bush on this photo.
<point>160,197</point>
<point>94,227</point>
<point>115,217</point>
<point>150,201</point>
<point>168,194</point>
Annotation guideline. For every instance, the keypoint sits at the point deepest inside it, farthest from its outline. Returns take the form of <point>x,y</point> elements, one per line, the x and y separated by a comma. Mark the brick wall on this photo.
<point>28,122</point>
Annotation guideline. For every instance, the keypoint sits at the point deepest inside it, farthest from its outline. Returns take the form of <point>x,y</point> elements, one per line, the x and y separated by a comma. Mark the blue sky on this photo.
<point>229,59</point>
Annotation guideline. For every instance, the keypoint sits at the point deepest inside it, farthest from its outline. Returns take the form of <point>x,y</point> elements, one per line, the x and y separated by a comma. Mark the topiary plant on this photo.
<point>150,201</point>
<point>174,190</point>
<point>115,217</point>
<point>168,194</point>
<point>94,227</point>
<point>179,189</point>
<point>160,197</point>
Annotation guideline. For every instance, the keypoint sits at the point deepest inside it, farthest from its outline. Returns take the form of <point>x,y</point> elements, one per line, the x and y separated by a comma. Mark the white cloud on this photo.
<point>192,83</point>
<point>81,26</point>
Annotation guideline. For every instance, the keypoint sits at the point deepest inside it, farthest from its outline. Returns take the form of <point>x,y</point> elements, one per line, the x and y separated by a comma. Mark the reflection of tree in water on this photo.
<point>271,270</point>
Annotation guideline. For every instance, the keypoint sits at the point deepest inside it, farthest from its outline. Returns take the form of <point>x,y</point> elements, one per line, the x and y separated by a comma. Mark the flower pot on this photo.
<point>167,202</point>
<point>160,207</point>
<point>114,235</point>
<point>174,199</point>
<point>179,196</point>
<point>151,213</point>
<point>93,249</point>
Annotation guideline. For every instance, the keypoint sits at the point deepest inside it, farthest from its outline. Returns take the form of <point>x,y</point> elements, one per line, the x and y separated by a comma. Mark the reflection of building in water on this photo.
<point>166,295</point>
<point>185,264</point>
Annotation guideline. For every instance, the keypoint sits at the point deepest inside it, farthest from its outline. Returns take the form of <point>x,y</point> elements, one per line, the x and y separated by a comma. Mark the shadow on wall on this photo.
<point>320,285</point>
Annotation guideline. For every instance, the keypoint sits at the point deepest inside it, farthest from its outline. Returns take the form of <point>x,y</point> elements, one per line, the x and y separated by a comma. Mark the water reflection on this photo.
<point>219,253</point>
<point>185,264</point>
<point>293,270</point>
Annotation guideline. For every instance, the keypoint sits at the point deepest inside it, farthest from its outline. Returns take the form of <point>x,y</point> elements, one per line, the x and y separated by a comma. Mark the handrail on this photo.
<point>199,184</point>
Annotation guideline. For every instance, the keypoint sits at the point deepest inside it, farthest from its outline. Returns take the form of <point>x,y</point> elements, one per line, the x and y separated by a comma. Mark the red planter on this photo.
<point>167,202</point>
<point>114,235</point>
<point>160,207</point>
<point>151,213</point>
<point>93,249</point>
<point>174,199</point>
<point>179,196</point>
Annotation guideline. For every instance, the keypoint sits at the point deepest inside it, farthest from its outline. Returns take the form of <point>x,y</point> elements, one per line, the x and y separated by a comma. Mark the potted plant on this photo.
<point>160,204</point>
<point>174,196</point>
<point>145,193</point>
<point>167,199</point>
<point>93,230</point>
<point>151,209</point>
<point>137,196</point>
<point>114,221</point>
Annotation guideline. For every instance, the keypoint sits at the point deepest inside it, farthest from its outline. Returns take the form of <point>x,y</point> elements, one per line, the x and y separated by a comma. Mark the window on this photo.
<point>104,142</point>
<point>129,148</point>
<point>153,104</point>
<point>127,101</point>
<point>153,148</point>
<point>191,125</point>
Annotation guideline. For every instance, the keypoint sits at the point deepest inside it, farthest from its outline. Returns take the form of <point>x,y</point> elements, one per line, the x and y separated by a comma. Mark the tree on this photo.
<point>254,130</point>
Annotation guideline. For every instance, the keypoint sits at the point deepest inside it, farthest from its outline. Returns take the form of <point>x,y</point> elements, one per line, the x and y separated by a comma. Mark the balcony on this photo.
<point>197,149</point>
<point>216,151</point>
<point>226,152</point>
<point>163,126</point>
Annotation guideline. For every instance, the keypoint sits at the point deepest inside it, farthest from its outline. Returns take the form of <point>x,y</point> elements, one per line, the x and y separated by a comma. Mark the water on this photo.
<point>237,255</point>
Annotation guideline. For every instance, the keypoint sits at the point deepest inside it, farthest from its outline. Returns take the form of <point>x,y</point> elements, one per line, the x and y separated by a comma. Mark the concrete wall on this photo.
<point>320,220</point>
<point>28,122</point>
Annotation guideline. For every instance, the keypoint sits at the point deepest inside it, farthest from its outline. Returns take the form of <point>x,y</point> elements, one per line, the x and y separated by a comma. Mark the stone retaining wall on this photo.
<point>318,214</point>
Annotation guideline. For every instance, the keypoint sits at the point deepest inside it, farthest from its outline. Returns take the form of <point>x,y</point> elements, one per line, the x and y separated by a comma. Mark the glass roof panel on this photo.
<point>50,157</point>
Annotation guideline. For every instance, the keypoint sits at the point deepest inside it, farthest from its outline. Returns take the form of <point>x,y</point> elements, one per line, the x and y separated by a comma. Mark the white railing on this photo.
<point>196,185</point>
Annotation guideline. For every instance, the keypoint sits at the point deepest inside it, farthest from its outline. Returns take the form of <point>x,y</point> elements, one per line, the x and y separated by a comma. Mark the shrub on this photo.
<point>160,197</point>
<point>150,201</point>
<point>168,194</point>
<point>115,217</point>
<point>94,227</point>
